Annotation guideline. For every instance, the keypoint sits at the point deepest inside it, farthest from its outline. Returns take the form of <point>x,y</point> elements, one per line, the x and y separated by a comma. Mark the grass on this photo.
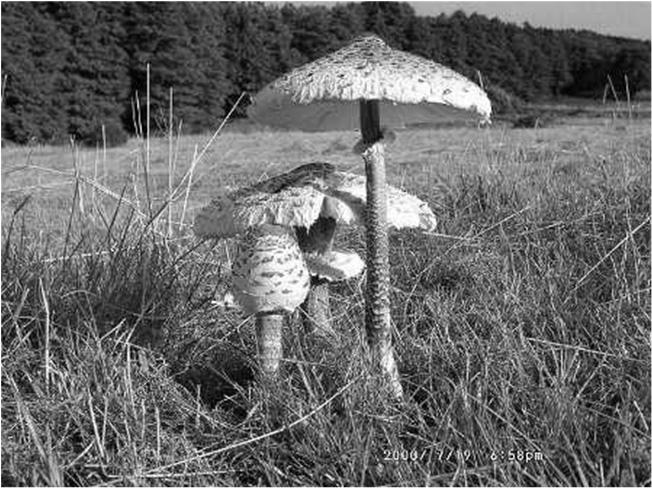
<point>522,327</point>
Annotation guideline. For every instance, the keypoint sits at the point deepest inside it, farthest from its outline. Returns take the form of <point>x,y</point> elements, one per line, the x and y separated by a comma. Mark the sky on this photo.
<point>618,18</point>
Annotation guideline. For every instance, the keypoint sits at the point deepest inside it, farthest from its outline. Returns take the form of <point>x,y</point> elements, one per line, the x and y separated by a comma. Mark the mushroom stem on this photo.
<point>316,308</point>
<point>370,121</point>
<point>269,333</point>
<point>377,318</point>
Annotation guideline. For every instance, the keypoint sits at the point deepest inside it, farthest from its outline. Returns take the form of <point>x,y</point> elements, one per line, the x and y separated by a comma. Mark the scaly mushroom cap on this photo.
<point>298,197</point>
<point>411,89</point>
<point>404,211</point>
<point>335,265</point>
<point>269,272</point>
<point>234,213</point>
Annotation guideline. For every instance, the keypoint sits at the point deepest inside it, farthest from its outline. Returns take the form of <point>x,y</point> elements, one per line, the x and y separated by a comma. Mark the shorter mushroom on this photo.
<point>270,279</point>
<point>325,269</point>
<point>314,198</point>
<point>335,266</point>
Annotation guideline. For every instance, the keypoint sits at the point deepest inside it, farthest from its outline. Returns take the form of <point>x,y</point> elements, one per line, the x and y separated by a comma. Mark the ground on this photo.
<point>521,326</point>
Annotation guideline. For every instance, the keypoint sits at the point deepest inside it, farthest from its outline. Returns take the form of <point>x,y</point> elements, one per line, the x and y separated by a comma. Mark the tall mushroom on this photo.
<point>339,198</point>
<point>367,78</point>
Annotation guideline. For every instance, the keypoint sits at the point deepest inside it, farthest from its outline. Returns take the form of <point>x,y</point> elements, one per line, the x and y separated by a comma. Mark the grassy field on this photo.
<point>522,328</point>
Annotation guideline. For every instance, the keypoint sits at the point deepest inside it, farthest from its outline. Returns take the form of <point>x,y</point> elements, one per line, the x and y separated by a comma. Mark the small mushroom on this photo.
<point>270,279</point>
<point>334,266</point>
<point>326,268</point>
<point>314,198</point>
<point>360,82</point>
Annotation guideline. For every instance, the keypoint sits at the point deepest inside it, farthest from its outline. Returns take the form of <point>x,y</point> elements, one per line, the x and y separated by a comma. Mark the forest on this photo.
<point>70,69</point>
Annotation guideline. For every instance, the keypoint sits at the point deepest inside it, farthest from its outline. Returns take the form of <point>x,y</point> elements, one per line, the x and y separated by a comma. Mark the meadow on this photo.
<point>521,327</point>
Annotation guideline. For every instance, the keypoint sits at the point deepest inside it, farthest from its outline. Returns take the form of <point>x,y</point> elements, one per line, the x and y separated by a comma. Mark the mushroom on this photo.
<point>325,268</point>
<point>270,279</point>
<point>367,78</point>
<point>314,198</point>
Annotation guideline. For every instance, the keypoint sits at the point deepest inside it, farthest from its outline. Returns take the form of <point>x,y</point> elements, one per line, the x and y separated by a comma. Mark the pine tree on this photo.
<point>257,47</point>
<point>311,32</point>
<point>633,62</point>
<point>32,59</point>
<point>560,74</point>
<point>346,22</point>
<point>450,31</point>
<point>73,67</point>
<point>390,20</point>
<point>95,73</point>
<point>422,39</point>
<point>182,43</point>
<point>208,33</point>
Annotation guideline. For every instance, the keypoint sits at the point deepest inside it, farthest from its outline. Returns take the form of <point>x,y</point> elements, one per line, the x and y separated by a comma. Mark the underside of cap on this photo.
<point>368,69</point>
<point>278,110</point>
<point>335,265</point>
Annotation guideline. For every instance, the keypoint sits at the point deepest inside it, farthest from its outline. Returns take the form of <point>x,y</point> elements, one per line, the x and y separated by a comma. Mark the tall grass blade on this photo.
<point>104,178</point>
<point>193,163</point>
<point>614,93</point>
<point>170,160</point>
<point>2,92</point>
<point>147,120</point>
<point>629,99</point>
<point>197,158</point>
<point>46,353</point>
<point>21,205</point>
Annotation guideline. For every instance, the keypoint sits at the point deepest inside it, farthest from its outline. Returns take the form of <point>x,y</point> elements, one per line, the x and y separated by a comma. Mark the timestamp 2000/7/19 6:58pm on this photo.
<point>464,455</point>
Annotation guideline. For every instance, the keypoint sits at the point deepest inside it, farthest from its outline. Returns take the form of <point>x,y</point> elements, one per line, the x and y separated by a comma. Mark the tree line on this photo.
<point>72,68</point>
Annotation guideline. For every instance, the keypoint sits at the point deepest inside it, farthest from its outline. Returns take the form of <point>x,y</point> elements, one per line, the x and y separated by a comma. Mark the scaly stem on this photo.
<point>377,305</point>
<point>316,309</point>
<point>377,318</point>
<point>269,333</point>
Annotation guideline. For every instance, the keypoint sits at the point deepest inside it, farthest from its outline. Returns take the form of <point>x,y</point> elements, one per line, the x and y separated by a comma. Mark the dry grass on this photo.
<point>522,332</point>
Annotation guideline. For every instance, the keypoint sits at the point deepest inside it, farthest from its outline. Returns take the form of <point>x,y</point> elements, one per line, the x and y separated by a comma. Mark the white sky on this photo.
<point>619,18</point>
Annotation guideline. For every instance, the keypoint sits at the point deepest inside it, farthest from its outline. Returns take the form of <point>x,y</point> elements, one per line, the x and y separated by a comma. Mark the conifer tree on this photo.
<point>257,47</point>
<point>73,67</point>
<point>311,32</point>
<point>95,77</point>
<point>182,44</point>
<point>390,20</point>
<point>32,56</point>
<point>346,22</point>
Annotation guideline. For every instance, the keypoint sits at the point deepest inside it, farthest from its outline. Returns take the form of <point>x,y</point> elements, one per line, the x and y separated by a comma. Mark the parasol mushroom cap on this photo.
<point>299,197</point>
<point>335,265</point>
<point>404,211</point>
<point>410,89</point>
<point>233,213</point>
<point>269,271</point>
